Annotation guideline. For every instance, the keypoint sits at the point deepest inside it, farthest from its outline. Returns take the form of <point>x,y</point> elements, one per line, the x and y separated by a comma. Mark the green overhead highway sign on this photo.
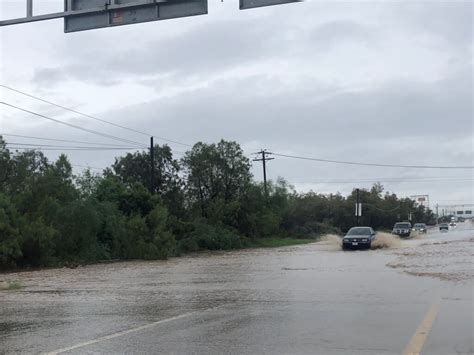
<point>126,12</point>
<point>80,15</point>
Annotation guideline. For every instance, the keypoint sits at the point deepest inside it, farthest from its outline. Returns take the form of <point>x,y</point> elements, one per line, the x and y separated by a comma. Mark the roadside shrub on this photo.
<point>78,225</point>
<point>38,243</point>
<point>215,237</point>
<point>187,245</point>
<point>268,225</point>
<point>161,236</point>
<point>314,229</point>
<point>112,231</point>
<point>10,238</point>
<point>133,241</point>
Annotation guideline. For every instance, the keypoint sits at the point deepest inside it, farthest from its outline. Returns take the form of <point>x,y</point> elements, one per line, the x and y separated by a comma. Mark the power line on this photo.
<point>58,140</point>
<point>90,116</point>
<point>396,179</point>
<point>72,125</point>
<point>86,166</point>
<point>373,164</point>
<point>380,209</point>
<point>384,181</point>
<point>453,200</point>
<point>66,146</point>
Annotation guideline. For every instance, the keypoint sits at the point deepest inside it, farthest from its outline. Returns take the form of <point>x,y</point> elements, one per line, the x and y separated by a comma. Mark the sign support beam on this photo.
<point>81,15</point>
<point>29,8</point>
<point>55,15</point>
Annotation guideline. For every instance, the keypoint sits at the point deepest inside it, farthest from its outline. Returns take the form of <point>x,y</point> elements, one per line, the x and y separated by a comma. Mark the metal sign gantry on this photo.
<point>80,15</point>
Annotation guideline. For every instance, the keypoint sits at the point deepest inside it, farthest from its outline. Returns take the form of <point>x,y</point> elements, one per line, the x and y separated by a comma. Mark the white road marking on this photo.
<point>126,332</point>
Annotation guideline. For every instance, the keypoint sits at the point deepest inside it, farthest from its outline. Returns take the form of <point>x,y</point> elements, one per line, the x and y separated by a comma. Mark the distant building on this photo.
<point>463,210</point>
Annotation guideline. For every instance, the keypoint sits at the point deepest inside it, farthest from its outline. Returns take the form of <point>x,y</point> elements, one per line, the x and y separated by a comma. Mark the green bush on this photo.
<point>10,238</point>
<point>161,236</point>
<point>78,224</point>
<point>314,229</point>
<point>215,237</point>
<point>187,245</point>
<point>38,243</point>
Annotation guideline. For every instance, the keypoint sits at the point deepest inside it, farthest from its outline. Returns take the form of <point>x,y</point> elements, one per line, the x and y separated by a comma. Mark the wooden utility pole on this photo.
<point>358,212</point>
<point>152,166</point>
<point>264,160</point>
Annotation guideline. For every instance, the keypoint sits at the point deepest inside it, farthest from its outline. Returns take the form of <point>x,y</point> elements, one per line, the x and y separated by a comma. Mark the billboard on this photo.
<point>126,12</point>
<point>421,200</point>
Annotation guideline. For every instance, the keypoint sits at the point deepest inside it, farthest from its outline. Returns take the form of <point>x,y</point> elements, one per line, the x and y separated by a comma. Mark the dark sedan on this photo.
<point>420,227</point>
<point>358,237</point>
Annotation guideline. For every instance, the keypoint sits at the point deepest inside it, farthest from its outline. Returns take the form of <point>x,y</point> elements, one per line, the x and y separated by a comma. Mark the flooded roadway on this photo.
<point>308,299</point>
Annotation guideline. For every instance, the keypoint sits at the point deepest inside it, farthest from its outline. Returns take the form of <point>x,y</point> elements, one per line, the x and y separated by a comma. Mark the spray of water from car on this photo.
<point>333,241</point>
<point>385,240</point>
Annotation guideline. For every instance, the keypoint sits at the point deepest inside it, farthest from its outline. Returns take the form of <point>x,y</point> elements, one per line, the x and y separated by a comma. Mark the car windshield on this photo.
<point>419,225</point>
<point>359,231</point>
<point>402,225</point>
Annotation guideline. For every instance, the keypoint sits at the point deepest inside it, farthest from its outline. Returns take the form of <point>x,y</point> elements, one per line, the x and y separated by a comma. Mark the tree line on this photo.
<point>206,200</point>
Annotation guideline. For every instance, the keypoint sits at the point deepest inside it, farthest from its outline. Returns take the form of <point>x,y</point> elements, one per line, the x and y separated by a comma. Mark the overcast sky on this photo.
<point>373,81</point>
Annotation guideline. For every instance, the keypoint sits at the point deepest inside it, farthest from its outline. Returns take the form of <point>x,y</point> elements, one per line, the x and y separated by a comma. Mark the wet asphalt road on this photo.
<point>310,299</point>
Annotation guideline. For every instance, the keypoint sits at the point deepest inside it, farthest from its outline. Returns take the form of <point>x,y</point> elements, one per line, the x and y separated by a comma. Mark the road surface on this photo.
<point>416,297</point>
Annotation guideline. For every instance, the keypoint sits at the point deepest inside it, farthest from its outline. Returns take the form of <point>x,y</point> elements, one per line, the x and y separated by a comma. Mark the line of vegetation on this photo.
<point>278,242</point>
<point>207,200</point>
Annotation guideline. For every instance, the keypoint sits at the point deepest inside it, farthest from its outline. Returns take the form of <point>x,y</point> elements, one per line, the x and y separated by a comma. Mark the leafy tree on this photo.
<point>38,243</point>
<point>87,183</point>
<point>78,225</point>
<point>161,236</point>
<point>5,164</point>
<point>10,238</point>
<point>135,168</point>
<point>24,168</point>
<point>216,171</point>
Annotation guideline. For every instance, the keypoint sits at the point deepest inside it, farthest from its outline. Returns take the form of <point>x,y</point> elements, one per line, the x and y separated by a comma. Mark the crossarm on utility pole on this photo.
<point>264,160</point>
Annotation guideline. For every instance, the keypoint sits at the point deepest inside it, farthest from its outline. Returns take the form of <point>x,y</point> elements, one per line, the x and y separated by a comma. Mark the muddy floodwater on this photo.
<point>304,299</point>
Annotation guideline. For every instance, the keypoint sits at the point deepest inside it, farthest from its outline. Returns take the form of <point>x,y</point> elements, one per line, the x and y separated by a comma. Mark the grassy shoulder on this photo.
<point>277,242</point>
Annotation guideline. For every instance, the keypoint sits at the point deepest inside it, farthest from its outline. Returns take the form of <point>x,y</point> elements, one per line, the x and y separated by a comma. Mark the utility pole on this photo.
<point>437,214</point>
<point>264,160</point>
<point>358,213</point>
<point>152,166</point>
